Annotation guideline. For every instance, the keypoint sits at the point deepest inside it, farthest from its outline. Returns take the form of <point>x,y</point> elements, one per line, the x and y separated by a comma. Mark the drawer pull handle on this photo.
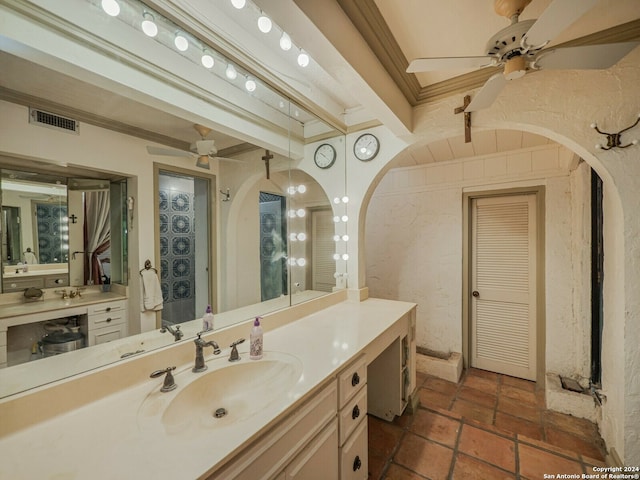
<point>355,379</point>
<point>355,413</point>
<point>108,319</point>
<point>357,463</point>
<point>108,309</point>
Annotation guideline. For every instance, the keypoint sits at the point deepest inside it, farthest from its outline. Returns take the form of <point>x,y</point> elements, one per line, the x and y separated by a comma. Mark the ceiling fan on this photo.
<point>202,150</point>
<point>519,48</point>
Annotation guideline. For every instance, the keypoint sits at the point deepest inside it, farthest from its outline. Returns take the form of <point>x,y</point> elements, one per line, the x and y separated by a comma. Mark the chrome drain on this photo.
<point>220,412</point>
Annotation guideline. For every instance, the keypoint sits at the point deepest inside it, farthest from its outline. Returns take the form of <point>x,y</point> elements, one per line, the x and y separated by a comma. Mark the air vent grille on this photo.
<point>51,120</point>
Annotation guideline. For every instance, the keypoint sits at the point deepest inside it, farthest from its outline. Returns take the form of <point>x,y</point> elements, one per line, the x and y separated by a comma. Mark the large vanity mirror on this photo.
<point>271,235</point>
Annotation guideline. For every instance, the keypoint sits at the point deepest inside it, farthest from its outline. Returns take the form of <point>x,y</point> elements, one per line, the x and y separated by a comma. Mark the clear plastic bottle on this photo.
<point>255,346</point>
<point>207,320</point>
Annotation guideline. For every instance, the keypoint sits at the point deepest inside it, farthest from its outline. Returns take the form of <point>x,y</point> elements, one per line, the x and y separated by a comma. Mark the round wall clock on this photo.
<point>366,147</point>
<point>325,156</point>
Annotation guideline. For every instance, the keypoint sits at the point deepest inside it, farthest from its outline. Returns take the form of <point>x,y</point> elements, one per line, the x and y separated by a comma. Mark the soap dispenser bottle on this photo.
<point>255,348</point>
<point>207,320</point>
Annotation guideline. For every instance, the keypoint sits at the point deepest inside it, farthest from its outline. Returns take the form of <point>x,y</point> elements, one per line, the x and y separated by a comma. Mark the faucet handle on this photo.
<point>169,383</point>
<point>234,356</point>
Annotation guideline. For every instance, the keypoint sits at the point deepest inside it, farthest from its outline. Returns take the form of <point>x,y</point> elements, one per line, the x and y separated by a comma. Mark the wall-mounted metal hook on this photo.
<point>226,196</point>
<point>613,139</point>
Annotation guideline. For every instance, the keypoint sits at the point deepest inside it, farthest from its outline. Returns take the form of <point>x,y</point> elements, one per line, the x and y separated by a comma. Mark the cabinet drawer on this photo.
<point>107,307</point>
<point>117,317</point>
<point>351,380</point>
<point>20,284</point>
<point>107,334</point>
<point>354,412</point>
<point>354,459</point>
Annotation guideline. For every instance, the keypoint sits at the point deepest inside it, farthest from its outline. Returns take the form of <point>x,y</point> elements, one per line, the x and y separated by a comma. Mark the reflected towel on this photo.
<point>151,298</point>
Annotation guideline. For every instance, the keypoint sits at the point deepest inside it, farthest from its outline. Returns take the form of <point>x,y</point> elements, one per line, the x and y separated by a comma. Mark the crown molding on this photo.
<point>368,20</point>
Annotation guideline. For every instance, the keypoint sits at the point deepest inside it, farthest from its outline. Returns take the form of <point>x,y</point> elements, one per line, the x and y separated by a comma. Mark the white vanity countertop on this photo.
<point>54,303</point>
<point>104,440</point>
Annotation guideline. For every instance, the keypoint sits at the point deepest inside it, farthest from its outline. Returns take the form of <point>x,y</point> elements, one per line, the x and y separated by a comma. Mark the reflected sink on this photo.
<point>223,396</point>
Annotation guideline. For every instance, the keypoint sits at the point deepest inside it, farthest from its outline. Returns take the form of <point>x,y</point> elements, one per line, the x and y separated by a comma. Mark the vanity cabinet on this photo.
<point>352,418</point>
<point>106,322</point>
<point>20,284</point>
<point>303,442</point>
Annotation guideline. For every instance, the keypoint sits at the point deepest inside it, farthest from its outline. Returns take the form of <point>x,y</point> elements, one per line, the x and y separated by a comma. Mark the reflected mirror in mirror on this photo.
<point>35,231</point>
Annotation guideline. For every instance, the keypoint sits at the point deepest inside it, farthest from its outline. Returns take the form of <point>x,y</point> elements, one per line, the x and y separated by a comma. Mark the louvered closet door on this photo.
<point>503,301</point>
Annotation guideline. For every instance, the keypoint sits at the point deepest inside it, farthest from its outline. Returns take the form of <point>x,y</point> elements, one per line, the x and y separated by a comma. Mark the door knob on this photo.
<point>476,293</point>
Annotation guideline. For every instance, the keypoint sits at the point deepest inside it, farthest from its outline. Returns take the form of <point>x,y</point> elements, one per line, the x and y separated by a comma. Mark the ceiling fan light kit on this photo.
<point>520,48</point>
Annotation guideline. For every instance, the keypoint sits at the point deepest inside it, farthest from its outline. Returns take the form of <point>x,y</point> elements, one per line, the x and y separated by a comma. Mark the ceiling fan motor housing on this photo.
<point>507,43</point>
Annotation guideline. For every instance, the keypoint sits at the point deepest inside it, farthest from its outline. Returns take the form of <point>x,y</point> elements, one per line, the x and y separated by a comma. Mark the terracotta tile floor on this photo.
<point>487,426</point>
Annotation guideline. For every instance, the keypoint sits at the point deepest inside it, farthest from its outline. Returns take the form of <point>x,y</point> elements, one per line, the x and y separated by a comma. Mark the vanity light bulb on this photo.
<point>285,42</point>
<point>302,188</point>
<point>239,4</point>
<point>65,219</point>
<point>148,25</point>
<point>303,59</point>
<point>345,218</point>
<point>291,261</point>
<point>302,236</point>
<point>181,42</point>
<point>264,24</point>
<point>111,7</point>
<point>336,219</point>
<point>293,237</point>
<point>336,200</point>
<point>345,256</point>
<point>336,238</point>
<point>207,60</point>
<point>345,238</point>
<point>291,213</point>
<point>336,256</point>
<point>345,199</point>
<point>291,190</point>
<point>230,72</point>
<point>301,212</point>
<point>301,262</point>
<point>250,85</point>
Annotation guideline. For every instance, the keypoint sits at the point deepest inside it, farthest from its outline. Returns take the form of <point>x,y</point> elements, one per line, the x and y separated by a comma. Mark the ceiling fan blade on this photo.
<point>557,17</point>
<point>488,93</point>
<point>232,160</point>
<point>447,63</point>
<point>168,152</point>
<point>585,57</point>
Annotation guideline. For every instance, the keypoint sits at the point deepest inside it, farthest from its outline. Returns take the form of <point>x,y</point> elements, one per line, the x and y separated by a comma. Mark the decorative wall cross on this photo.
<point>467,118</point>
<point>267,156</point>
<point>73,218</point>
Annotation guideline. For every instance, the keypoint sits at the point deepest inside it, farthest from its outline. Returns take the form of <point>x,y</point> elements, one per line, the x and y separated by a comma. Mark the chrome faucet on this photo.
<point>76,293</point>
<point>176,332</point>
<point>200,366</point>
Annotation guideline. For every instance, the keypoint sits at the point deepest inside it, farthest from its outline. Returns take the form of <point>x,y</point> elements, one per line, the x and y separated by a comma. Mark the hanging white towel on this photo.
<point>151,291</point>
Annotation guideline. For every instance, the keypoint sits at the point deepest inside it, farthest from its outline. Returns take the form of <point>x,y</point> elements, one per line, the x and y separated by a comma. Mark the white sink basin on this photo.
<point>242,389</point>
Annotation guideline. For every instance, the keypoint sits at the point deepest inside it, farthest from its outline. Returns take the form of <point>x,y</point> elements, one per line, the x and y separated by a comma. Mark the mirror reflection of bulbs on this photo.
<point>336,256</point>
<point>336,238</point>
<point>345,256</point>
<point>291,190</point>
<point>301,262</point>
<point>336,219</point>
<point>301,212</point>
<point>231,72</point>
<point>291,261</point>
<point>336,200</point>
<point>293,237</point>
<point>238,3</point>
<point>111,7</point>
<point>264,24</point>
<point>250,85</point>
<point>181,42</point>
<point>345,238</point>
<point>302,236</point>
<point>291,213</point>
<point>148,25</point>
<point>345,199</point>
<point>285,42</point>
<point>302,188</point>
<point>207,60</point>
<point>303,59</point>
<point>345,218</point>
